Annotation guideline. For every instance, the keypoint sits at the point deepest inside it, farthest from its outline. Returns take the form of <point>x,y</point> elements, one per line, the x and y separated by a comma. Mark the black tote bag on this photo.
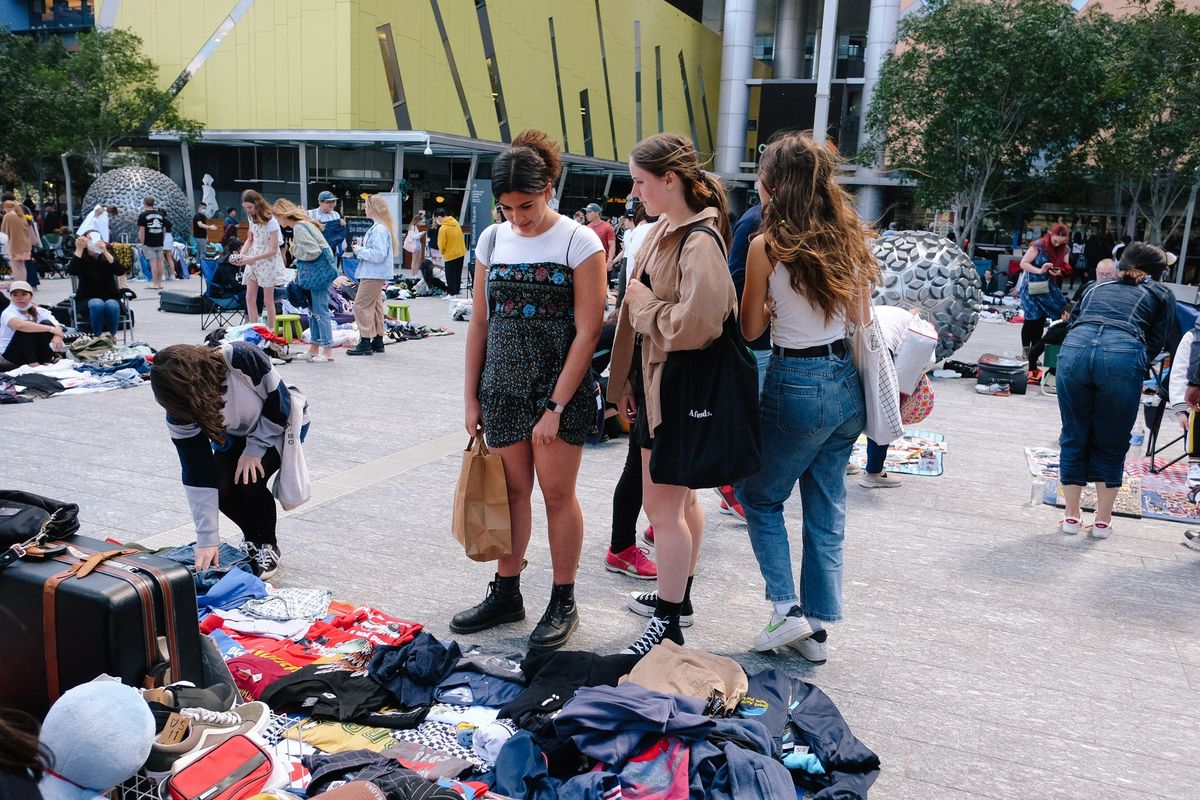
<point>709,434</point>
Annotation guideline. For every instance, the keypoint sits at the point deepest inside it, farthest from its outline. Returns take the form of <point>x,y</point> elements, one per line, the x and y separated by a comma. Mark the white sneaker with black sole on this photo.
<point>783,629</point>
<point>815,648</point>
<point>1191,539</point>
<point>644,604</point>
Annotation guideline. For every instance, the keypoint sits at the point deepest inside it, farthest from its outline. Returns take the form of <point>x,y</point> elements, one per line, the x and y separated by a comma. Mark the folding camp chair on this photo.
<point>1155,416</point>
<point>81,321</point>
<point>221,311</point>
<point>1049,363</point>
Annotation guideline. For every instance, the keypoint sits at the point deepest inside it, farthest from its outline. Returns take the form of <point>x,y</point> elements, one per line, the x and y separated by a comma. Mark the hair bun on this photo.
<point>546,148</point>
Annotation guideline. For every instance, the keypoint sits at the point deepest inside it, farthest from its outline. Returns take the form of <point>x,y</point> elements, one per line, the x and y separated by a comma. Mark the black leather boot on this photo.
<point>501,604</point>
<point>377,344</point>
<point>559,621</point>
<point>363,348</point>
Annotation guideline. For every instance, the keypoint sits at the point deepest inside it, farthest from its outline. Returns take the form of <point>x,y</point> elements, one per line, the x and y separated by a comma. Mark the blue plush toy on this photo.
<point>97,735</point>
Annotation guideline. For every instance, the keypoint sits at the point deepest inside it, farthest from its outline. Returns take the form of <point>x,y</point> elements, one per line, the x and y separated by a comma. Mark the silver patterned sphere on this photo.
<point>930,273</point>
<point>126,188</point>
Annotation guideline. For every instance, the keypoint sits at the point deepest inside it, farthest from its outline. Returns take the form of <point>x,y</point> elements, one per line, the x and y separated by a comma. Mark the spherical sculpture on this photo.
<point>930,273</point>
<point>126,188</point>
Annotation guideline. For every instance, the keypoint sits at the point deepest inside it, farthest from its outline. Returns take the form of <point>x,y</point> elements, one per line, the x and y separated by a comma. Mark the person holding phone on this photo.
<point>1044,266</point>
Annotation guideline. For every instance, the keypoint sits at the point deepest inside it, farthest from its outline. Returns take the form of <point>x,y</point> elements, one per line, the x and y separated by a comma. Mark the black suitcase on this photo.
<point>179,303</point>
<point>132,616</point>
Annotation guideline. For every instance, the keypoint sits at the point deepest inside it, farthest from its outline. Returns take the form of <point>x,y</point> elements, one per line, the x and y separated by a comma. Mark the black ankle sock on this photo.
<point>687,593</point>
<point>667,610</point>
<point>508,585</point>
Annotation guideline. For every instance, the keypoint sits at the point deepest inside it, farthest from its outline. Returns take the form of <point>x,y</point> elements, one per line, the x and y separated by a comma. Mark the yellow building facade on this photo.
<point>295,65</point>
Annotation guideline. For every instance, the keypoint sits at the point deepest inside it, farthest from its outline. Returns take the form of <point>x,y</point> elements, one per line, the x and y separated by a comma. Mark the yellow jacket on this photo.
<point>450,239</point>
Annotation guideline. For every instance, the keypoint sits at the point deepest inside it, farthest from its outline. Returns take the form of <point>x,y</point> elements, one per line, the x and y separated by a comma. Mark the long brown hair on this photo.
<point>19,747</point>
<point>810,225</point>
<point>189,382</point>
<point>670,152</point>
<point>262,211</point>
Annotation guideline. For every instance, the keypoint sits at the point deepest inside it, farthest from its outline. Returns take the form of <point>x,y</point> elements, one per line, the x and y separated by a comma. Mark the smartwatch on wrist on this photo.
<point>553,406</point>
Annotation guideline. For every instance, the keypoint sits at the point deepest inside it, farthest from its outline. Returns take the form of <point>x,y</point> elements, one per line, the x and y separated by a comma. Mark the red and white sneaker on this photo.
<point>632,561</point>
<point>648,535</point>
<point>729,502</point>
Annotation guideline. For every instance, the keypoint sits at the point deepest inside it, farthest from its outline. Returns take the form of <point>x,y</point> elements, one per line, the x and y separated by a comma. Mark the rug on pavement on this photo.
<point>1143,493</point>
<point>904,454</point>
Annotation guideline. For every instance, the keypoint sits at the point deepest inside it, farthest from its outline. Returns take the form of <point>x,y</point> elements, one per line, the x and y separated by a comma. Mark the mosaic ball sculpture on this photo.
<point>126,188</point>
<point>928,272</point>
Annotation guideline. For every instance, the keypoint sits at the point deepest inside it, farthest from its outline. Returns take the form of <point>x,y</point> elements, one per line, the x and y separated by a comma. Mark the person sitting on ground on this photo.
<point>227,278</point>
<point>995,286</point>
<point>97,269</point>
<point>29,334</point>
<point>429,275</point>
<point>227,409</point>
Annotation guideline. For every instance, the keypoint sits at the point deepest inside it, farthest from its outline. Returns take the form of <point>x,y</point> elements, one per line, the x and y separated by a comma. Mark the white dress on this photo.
<point>270,271</point>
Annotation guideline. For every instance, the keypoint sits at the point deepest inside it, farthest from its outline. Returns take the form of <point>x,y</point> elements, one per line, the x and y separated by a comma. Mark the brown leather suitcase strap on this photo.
<point>49,610</point>
<point>85,568</point>
<point>164,587</point>
<point>50,632</point>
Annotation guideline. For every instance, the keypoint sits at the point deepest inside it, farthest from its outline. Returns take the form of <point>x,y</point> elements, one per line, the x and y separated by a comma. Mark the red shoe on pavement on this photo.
<point>648,535</point>
<point>632,561</point>
<point>729,503</point>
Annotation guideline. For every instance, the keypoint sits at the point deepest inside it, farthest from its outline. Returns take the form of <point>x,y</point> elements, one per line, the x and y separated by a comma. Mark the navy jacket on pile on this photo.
<point>412,671</point>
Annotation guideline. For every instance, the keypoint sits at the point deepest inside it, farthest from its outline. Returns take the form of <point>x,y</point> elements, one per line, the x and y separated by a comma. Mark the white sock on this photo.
<point>783,608</point>
<point>815,624</point>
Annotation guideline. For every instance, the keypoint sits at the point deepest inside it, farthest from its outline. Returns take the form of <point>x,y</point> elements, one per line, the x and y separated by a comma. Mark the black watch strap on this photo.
<point>553,406</point>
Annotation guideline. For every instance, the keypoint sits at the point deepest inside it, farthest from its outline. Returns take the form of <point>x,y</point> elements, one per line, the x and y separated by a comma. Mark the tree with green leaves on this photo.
<point>34,123</point>
<point>983,94</point>
<point>1149,144</point>
<point>115,95</point>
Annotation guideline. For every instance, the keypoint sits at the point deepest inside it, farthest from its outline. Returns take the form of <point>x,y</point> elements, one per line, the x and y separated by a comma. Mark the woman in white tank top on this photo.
<point>807,275</point>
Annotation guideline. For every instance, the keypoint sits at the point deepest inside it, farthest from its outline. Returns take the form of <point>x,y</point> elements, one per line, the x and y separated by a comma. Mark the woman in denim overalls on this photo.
<point>1117,329</point>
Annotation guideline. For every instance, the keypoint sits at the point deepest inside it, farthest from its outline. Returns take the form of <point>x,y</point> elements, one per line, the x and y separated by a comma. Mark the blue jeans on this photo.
<point>812,413</point>
<point>1099,380</point>
<point>320,318</point>
<point>103,315</point>
<point>763,357</point>
<point>876,455</point>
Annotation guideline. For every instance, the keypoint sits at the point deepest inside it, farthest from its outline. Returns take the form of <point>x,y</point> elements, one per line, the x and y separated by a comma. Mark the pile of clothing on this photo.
<point>104,350</point>
<point>71,377</point>
<point>359,696</point>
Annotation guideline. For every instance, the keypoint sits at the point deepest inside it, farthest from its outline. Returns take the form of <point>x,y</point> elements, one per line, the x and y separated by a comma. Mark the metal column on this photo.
<point>789,40</point>
<point>881,40</point>
<point>824,69</point>
<point>462,214</point>
<point>187,174</point>
<point>398,170</point>
<point>562,182</point>
<point>737,58</point>
<point>303,149</point>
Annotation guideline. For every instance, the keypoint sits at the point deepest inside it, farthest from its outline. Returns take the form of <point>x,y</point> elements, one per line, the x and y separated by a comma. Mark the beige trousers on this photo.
<point>368,308</point>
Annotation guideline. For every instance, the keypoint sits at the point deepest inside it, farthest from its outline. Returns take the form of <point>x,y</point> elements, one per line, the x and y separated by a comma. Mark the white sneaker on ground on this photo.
<point>880,481</point>
<point>1193,478</point>
<point>815,648</point>
<point>1101,530</point>
<point>1071,525</point>
<point>783,630</point>
<point>1191,539</point>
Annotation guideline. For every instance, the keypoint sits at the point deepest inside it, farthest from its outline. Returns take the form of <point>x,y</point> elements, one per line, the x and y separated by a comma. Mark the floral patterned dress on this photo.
<point>531,325</point>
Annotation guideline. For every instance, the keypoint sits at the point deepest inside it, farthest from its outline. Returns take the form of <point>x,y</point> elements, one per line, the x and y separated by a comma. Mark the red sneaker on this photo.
<point>729,503</point>
<point>648,535</point>
<point>632,561</point>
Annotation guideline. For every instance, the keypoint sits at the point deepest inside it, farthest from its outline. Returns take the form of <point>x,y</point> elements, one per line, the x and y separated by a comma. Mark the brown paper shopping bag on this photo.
<point>481,522</point>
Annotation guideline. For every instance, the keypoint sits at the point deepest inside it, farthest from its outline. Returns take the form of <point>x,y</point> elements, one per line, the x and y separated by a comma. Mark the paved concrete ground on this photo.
<point>984,654</point>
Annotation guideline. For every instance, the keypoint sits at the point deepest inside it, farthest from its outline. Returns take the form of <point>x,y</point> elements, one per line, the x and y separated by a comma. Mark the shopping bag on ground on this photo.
<point>481,522</point>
